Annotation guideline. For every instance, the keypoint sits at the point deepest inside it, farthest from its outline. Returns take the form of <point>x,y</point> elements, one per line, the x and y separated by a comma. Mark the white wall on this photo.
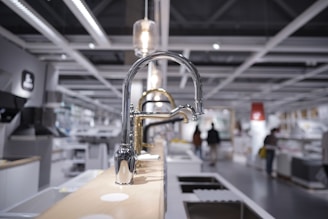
<point>13,61</point>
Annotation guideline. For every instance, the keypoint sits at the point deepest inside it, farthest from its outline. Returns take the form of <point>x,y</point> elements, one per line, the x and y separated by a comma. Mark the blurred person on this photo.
<point>213,141</point>
<point>271,145</point>
<point>197,141</point>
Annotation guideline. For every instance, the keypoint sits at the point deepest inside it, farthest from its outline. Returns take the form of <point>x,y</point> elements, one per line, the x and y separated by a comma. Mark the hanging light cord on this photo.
<point>146,9</point>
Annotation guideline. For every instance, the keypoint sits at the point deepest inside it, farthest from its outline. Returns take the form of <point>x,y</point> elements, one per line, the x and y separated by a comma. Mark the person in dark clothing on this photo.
<point>213,141</point>
<point>271,144</point>
<point>197,141</point>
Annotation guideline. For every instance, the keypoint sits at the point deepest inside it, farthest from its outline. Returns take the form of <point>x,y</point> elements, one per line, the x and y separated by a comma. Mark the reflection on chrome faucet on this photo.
<point>125,156</point>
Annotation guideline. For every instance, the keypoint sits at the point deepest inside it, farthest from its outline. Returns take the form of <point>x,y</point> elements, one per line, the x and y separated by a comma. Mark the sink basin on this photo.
<point>189,188</point>
<point>34,205</point>
<point>190,183</point>
<point>197,179</point>
<point>214,210</point>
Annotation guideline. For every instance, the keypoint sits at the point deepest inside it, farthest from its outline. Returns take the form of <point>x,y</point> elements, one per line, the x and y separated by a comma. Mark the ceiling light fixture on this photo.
<point>216,46</point>
<point>86,17</point>
<point>63,56</point>
<point>91,45</point>
<point>144,35</point>
<point>21,6</point>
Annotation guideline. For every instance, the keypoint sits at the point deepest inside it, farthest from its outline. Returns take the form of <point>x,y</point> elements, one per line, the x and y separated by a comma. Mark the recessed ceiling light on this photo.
<point>216,46</point>
<point>91,45</point>
<point>63,56</point>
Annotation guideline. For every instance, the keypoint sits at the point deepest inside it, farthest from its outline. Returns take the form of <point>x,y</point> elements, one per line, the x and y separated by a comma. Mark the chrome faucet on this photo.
<point>125,156</point>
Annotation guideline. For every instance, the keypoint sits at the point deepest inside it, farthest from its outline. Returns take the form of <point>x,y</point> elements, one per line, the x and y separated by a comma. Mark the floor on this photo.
<point>281,198</point>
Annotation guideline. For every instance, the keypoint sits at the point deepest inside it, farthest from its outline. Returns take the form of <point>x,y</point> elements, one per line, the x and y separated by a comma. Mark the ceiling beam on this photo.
<point>314,94</point>
<point>53,13</point>
<point>302,105</point>
<point>246,44</point>
<point>12,37</point>
<point>177,15</point>
<point>293,80</point>
<point>307,59</point>
<point>285,7</point>
<point>100,7</point>
<point>302,19</point>
<point>38,22</point>
<point>255,72</point>
<point>87,99</point>
<point>83,13</point>
<point>223,9</point>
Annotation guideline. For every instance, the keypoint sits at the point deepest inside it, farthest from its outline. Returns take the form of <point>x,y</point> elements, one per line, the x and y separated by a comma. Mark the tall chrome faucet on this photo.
<point>125,157</point>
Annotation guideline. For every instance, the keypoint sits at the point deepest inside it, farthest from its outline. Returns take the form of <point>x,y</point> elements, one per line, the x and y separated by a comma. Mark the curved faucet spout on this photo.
<point>187,107</point>
<point>142,63</point>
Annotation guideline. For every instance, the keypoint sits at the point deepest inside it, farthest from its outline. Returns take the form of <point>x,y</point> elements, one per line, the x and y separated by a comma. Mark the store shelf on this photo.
<point>77,156</point>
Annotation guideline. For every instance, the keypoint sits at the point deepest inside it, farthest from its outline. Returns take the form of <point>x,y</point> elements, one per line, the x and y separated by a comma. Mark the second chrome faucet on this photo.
<point>125,156</point>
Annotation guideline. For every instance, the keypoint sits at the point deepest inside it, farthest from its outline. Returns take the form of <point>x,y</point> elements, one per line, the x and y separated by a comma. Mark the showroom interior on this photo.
<point>99,100</point>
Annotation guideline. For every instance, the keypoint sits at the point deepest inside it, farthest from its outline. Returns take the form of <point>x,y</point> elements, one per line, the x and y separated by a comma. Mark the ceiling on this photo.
<point>271,51</point>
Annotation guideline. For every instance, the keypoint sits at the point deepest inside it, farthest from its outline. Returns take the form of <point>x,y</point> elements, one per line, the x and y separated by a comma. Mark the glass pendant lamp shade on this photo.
<point>144,37</point>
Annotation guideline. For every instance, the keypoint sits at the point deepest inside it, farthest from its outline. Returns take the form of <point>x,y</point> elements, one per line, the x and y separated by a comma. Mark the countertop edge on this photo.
<point>10,164</point>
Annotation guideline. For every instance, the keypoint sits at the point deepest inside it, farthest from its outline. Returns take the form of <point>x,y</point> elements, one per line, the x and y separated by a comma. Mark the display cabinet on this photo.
<point>300,159</point>
<point>77,159</point>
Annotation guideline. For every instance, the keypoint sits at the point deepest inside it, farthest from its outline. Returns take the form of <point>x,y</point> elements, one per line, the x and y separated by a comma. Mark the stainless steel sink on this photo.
<point>189,183</point>
<point>208,179</point>
<point>35,205</point>
<point>189,188</point>
<point>214,210</point>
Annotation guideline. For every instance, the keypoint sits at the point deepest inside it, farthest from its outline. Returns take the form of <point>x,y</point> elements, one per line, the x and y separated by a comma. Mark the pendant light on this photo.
<point>144,35</point>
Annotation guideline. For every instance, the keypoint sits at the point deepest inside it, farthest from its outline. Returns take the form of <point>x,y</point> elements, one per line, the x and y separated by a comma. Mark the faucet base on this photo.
<point>125,161</point>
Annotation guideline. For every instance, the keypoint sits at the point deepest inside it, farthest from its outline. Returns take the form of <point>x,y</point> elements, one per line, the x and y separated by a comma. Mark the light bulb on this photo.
<point>144,37</point>
<point>91,45</point>
<point>216,46</point>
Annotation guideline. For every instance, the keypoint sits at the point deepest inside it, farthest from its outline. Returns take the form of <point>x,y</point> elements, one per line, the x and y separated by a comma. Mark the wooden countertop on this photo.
<point>145,196</point>
<point>8,164</point>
